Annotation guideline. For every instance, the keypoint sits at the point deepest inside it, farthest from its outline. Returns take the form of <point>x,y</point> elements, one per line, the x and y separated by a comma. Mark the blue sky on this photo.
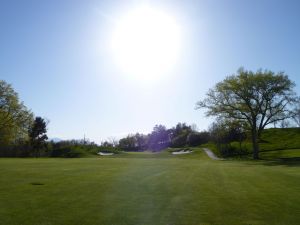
<point>56,56</point>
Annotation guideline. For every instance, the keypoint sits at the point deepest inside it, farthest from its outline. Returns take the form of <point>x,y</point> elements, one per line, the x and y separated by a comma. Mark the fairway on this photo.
<point>148,189</point>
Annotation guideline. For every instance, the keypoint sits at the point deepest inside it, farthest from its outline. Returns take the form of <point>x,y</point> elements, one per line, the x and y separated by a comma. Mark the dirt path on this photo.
<point>211,154</point>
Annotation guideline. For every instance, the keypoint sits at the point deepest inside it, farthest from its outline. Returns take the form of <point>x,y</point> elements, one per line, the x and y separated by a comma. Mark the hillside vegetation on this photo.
<point>272,139</point>
<point>280,138</point>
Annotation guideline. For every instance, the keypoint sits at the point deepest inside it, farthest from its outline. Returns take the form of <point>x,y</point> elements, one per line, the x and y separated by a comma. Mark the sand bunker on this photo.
<point>182,152</point>
<point>104,154</point>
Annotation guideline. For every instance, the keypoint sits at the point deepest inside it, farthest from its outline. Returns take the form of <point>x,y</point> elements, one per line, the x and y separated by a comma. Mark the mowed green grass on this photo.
<point>148,189</point>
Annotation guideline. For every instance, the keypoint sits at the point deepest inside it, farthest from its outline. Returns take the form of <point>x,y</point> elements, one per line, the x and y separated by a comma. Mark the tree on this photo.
<point>141,141</point>
<point>198,138</point>
<point>285,124</point>
<point>128,143</point>
<point>223,132</point>
<point>296,117</point>
<point>107,144</point>
<point>113,141</point>
<point>180,129</point>
<point>179,141</point>
<point>37,134</point>
<point>159,138</point>
<point>179,134</point>
<point>256,99</point>
<point>15,118</point>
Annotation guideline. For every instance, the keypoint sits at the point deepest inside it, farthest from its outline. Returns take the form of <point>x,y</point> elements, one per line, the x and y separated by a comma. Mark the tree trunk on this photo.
<point>255,144</point>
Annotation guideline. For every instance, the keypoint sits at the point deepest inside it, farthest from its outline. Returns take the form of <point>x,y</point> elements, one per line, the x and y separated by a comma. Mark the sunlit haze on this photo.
<point>146,43</point>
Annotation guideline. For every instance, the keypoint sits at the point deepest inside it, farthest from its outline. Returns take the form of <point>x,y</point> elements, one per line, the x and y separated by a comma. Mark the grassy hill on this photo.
<point>272,139</point>
<point>145,188</point>
<point>280,138</point>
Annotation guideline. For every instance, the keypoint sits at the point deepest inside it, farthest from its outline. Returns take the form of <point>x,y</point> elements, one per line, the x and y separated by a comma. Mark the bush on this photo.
<point>68,152</point>
<point>195,139</point>
<point>179,141</point>
<point>18,150</point>
<point>229,150</point>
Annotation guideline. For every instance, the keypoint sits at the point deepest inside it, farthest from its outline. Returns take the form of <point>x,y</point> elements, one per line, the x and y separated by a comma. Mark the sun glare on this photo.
<point>146,43</point>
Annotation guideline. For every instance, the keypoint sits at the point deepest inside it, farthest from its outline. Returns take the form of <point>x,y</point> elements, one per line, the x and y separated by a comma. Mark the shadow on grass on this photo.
<point>290,162</point>
<point>293,161</point>
<point>281,157</point>
<point>36,183</point>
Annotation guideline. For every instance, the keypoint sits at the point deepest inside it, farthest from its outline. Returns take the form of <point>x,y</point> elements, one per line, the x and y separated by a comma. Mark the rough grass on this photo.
<point>286,154</point>
<point>277,139</point>
<point>280,138</point>
<point>148,188</point>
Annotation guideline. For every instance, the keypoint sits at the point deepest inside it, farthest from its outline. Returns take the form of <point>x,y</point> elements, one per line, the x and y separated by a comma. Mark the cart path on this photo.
<point>211,154</point>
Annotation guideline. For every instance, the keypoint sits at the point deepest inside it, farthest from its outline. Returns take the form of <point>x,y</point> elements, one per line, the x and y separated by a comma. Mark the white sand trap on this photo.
<point>104,154</point>
<point>182,152</point>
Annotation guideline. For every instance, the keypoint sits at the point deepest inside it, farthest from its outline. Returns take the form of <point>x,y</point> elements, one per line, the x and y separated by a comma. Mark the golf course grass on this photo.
<point>150,189</point>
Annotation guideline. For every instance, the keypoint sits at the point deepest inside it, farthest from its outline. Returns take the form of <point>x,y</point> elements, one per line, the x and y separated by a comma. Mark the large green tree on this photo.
<point>256,99</point>
<point>15,118</point>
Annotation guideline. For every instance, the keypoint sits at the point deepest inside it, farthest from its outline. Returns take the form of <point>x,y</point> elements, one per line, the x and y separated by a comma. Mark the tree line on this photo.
<point>243,105</point>
<point>160,138</point>
<point>221,133</point>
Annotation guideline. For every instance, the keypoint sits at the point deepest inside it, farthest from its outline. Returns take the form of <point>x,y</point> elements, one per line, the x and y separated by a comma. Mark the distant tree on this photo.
<point>296,116</point>
<point>257,99</point>
<point>179,141</point>
<point>180,129</point>
<point>15,118</point>
<point>141,141</point>
<point>285,124</point>
<point>113,141</point>
<point>159,138</point>
<point>37,134</point>
<point>194,127</point>
<point>198,138</point>
<point>179,134</point>
<point>226,131</point>
<point>106,144</point>
<point>219,133</point>
<point>128,143</point>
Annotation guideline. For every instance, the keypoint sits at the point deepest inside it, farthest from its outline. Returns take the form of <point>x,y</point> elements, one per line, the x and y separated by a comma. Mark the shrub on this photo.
<point>68,152</point>
<point>228,150</point>
<point>194,139</point>
<point>179,141</point>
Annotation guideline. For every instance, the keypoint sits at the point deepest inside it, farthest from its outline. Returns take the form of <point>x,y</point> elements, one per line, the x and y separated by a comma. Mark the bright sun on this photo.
<point>146,43</point>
